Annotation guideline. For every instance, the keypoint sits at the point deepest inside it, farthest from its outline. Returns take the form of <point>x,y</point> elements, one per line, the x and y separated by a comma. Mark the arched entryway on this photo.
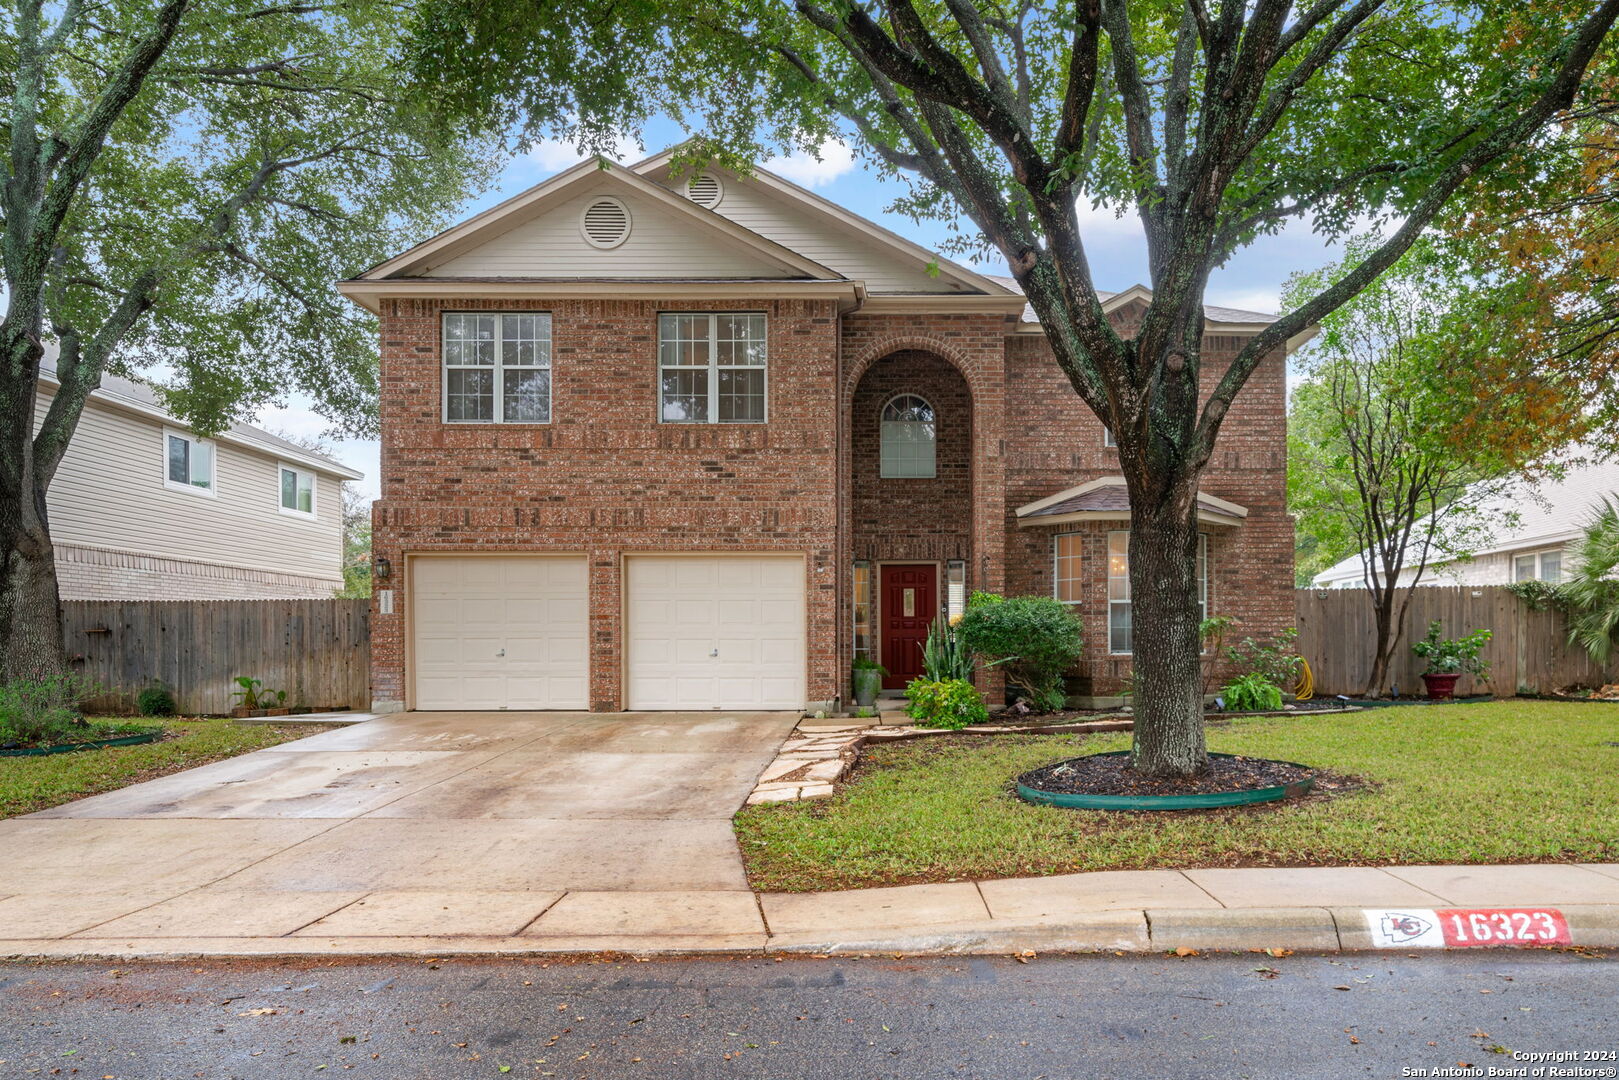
<point>911,504</point>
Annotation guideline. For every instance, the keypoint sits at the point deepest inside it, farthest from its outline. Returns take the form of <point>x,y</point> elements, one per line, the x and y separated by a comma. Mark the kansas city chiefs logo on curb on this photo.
<point>1461,928</point>
<point>1397,926</point>
<point>1417,929</point>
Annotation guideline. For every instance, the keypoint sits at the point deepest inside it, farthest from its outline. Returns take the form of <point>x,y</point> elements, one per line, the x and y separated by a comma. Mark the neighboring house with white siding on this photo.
<point>1539,532</point>
<point>143,509</point>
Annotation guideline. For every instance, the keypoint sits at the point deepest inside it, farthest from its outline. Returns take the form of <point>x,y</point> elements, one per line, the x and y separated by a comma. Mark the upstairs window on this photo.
<point>188,463</point>
<point>497,368</point>
<point>297,491</point>
<point>711,368</point>
<point>908,437</point>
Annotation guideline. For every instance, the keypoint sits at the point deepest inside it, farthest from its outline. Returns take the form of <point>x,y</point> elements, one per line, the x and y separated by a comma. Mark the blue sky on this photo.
<point>1252,279</point>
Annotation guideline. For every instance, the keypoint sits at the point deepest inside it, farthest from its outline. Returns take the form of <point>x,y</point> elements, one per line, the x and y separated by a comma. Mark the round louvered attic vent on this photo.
<point>605,223</point>
<point>704,189</point>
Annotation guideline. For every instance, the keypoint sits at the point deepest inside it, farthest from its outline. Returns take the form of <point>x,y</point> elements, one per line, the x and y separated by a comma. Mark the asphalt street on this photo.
<point>1130,1017</point>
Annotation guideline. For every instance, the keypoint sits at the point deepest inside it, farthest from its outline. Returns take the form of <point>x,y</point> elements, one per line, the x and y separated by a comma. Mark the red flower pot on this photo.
<point>1441,684</point>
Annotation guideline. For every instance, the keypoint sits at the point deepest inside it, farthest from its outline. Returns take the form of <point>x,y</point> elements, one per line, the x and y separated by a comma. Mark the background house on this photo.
<point>1533,531</point>
<point>143,509</point>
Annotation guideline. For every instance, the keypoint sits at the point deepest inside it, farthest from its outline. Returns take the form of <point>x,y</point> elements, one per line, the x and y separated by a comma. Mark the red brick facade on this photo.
<point>607,480</point>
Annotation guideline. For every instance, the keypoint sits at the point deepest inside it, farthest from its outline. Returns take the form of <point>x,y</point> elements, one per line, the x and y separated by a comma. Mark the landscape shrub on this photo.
<point>155,700</point>
<point>1277,659</point>
<point>949,703</point>
<point>1252,692</point>
<point>43,712</point>
<point>1036,639</point>
<point>944,656</point>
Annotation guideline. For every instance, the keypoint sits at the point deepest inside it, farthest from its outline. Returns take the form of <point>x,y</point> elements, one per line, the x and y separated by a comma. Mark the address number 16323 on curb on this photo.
<point>1460,928</point>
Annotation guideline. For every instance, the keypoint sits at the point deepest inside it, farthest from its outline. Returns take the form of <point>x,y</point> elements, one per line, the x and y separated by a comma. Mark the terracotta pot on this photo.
<point>1441,684</point>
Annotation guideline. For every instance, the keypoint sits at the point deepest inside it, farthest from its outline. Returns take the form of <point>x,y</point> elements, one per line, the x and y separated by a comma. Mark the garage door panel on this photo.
<point>715,632</point>
<point>500,632</point>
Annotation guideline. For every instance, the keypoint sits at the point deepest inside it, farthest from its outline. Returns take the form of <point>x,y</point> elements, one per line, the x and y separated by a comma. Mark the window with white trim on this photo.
<point>297,490</point>
<point>955,588</point>
<point>1544,566</point>
<point>497,368</point>
<point>862,608</point>
<point>1107,436</point>
<point>711,368</point>
<point>188,463</point>
<point>1067,567</point>
<point>1120,623</point>
<point>908,438</point>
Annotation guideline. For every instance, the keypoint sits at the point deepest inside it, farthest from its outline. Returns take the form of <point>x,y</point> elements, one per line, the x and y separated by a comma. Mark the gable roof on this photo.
<point>138,397</point>
<point>1221,317</point>
<point>837,217</point>
<point>1105,499</point>
<point>527,205</point>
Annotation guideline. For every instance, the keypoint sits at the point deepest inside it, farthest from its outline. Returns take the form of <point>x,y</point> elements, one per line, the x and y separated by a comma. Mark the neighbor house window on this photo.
<point>1545,566</point>
<point>1120,625</point>
<point>1107,436</point>
<point>297,491</point>
<point>862,608</point>
<point>711,368</point>
<point>188,463</point>
<point>497,368</point>
<point>908,438</point>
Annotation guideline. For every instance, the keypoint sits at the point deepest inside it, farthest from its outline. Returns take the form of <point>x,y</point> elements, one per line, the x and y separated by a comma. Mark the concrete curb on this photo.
<point>1304,929</point>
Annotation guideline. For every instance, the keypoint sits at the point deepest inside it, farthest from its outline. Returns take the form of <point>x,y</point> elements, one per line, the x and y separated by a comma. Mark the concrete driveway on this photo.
<point>500,826</point>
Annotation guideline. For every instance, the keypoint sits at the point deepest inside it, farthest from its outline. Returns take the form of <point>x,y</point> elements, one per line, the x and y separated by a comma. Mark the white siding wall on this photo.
<point>827,242</point>
<point>659,245</point>
<point>109,493</point>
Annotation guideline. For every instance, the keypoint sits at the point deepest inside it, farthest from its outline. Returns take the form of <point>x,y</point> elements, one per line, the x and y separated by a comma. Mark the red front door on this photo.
<point>910,603</point>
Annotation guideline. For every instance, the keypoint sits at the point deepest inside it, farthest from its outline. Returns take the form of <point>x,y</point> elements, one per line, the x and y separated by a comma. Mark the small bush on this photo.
<point>155,700</point>
<point>1277,659</point>
<point>1252,693</point>
<point>944,656</point>
<point>1035,638</point>
<point>43,712</point>
<point>951,704</point>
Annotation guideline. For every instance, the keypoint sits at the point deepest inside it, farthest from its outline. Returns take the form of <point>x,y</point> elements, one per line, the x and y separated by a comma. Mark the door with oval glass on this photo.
<point>910,602</point>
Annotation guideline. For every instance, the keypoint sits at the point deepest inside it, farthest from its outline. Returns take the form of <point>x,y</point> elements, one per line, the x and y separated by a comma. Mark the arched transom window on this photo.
<point>908,437</point>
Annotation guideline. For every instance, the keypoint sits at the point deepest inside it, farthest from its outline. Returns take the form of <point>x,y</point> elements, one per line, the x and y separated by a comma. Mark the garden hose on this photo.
<point>1305,690</point>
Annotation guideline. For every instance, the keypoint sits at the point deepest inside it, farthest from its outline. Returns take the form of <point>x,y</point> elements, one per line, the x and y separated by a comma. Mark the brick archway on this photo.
<point>856,368</point>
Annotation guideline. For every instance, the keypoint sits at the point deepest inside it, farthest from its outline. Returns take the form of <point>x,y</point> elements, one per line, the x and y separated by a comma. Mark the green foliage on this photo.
<point>356,544</point>
<point>1252,692</point>
<point>944,656</point>
<point>1275,660</point>
<point>255,695</point>
<point>155,700</point>
<point>1591,593</point>
<point>1035,638</point>
<point>1539,595</point>
<point>866,663</point>
<point>948,703</point>
<point>1459,655</point>
<point>43,712</point>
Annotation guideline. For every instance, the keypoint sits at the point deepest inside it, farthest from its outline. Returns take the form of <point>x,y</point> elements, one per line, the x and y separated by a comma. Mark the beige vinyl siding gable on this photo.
<point>109,492</point>
<point>660,245</point>
<point>828,242</point>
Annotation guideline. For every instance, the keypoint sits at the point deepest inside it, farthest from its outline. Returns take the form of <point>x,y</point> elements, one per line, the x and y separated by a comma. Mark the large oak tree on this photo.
<point>1213,120</point>
<point>184,182</point>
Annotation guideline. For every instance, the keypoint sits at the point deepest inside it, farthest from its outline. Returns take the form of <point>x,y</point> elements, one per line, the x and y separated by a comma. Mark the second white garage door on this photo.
<point>500,632</point>
<point>715,632</point>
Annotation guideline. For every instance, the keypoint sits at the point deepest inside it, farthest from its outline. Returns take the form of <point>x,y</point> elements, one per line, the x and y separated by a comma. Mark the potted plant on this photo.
<point>868,679</point>
<point>1450,658</point>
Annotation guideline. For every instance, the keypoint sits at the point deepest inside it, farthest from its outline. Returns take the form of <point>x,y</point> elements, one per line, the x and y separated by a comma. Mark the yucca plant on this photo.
<point>1591,592</point>
<point>944,657</point>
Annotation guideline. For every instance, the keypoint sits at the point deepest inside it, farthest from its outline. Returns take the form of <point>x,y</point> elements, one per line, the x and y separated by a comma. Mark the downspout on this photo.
<point>843,569</point>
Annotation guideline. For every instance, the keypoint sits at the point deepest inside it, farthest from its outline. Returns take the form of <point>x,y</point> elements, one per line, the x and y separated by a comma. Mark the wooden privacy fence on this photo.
<point>1529,652</point>
<point>318,651</point>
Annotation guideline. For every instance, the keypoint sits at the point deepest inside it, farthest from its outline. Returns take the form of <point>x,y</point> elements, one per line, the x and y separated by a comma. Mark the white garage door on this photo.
<point>715,632</point>
<point>500,632</point>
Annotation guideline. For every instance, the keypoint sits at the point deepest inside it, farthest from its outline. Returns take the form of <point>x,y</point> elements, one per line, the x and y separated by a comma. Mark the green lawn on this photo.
<point>37,783</point>
<point>1514,781</point>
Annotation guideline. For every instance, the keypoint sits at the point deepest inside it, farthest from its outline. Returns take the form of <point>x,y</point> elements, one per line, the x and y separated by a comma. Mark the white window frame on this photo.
<point>1537,560</point>
<point>498,369</point>
<point>713,367</point>
<point>1107,437</point>
<point>314,490</point>
<point>1056,568</point>
<point>209,492</point>
<point>1203,570</point>
<point>882,434</point>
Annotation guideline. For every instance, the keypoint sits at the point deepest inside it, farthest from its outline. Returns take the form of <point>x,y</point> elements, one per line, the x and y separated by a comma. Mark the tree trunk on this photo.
<point>1383,620</point>
<point>1168,662</point>
<point>30,604</point>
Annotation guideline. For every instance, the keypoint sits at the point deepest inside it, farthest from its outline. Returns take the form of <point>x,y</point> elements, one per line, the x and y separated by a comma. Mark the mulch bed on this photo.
<point>1110,774</point>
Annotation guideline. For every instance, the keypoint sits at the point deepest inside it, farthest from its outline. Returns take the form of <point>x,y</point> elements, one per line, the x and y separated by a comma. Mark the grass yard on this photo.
<point>1513,781</point>
<point>28,784</point>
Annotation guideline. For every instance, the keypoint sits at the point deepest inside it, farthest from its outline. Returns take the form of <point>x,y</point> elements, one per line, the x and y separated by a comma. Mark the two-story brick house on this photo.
<point>655,441</point>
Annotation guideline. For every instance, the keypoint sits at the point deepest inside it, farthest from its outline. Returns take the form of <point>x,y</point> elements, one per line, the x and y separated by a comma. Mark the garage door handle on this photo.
<point>713,652</point>
<point>502,652</point>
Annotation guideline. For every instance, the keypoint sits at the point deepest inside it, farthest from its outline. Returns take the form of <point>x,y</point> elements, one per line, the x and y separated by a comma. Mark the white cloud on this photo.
<point>802,168</point>
<point>553,155</point>
<point>1104,223</point>
<point>1266,300</point>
